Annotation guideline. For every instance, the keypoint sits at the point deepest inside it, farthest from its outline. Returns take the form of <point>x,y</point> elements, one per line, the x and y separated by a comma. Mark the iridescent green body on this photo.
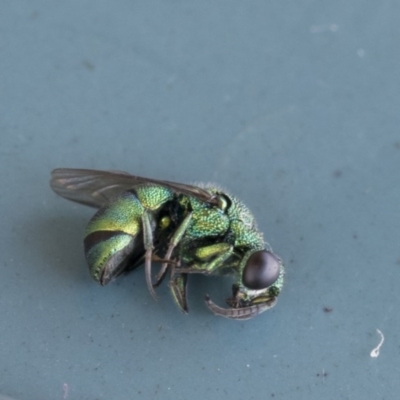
<point>118,226</point>
<point>153,220</point>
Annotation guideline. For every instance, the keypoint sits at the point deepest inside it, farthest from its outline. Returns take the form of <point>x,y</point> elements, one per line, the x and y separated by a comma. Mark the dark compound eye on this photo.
<point>261,270</point>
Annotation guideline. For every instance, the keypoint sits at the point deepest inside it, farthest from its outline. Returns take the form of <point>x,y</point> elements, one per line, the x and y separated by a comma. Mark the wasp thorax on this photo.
<point>262,270</point>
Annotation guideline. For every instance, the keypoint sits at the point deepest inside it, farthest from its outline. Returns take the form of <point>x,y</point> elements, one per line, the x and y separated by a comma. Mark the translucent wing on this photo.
<point>96,188</point>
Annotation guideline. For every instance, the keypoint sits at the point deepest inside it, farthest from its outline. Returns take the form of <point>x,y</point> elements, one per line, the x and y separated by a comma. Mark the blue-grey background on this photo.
<point>293,106</point>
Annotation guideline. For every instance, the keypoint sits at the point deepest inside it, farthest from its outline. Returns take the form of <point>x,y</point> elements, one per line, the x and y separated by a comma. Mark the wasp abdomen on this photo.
<point>108,258</point>
<point>114,234</point>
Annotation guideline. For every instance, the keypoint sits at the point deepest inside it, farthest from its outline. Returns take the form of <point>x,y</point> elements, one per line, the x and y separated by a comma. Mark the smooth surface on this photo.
<point>293,106</point>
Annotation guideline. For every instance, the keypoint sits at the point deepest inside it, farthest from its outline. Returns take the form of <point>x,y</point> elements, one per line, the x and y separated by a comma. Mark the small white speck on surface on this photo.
<point>375,352</point>
<point>361,53</point>
<point>324,28</point>
<point>65,390</point>
<point>333,27</point>
<point>248,365</point>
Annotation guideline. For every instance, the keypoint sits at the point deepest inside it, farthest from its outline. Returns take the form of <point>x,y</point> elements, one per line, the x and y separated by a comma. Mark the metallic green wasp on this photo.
<point>188,229</point>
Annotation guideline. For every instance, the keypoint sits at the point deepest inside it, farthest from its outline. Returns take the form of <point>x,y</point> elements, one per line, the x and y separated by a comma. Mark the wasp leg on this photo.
<point>148,245</point>
<point>155,258</point>
<point>240,313</point>
<point>163,270</point>
<point>221,252</point>
<point>177,285</point>
<point>174,241</point>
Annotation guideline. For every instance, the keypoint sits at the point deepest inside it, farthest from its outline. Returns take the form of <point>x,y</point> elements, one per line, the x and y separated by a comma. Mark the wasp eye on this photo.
<point>261,270</point>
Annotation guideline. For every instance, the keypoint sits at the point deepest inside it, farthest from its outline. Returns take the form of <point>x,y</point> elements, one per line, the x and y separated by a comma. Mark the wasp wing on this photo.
<point>96,188</point>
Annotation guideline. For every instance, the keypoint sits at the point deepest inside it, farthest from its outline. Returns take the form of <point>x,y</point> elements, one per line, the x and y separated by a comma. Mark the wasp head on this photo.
<point>260,281</point>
